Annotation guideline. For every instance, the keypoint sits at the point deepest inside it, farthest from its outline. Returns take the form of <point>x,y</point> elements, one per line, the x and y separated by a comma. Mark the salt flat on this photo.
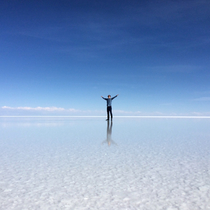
<point>85,163</point>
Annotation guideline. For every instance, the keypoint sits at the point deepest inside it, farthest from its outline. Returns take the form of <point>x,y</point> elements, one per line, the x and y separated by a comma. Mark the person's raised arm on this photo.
<point>115,96</point>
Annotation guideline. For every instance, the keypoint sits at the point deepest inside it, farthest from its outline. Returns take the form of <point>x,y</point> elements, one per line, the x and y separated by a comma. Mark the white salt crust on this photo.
<point>167,172</point>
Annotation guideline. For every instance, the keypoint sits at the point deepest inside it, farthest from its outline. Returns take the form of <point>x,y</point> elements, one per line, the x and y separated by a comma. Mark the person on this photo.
<point>109,105</point>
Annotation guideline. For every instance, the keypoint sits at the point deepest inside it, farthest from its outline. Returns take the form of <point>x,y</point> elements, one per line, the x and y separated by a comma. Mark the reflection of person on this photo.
<point>109,105</point>
<point>109,140</point>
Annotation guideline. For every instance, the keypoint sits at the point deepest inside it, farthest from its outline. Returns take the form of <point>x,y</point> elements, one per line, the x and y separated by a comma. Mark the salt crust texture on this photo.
<point>61,168</point>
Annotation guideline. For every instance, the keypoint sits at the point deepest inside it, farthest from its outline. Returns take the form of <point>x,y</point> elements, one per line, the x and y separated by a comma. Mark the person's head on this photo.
<point>109,96</point>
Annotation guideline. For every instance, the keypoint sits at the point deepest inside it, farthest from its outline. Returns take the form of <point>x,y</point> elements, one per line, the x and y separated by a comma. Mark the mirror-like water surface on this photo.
<point>87,163</point>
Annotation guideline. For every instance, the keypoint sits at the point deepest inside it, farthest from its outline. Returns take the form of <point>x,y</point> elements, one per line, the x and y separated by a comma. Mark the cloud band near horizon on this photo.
<point>39,108</point>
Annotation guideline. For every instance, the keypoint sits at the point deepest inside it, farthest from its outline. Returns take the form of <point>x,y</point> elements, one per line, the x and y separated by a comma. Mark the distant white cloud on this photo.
<point>200,113</point>
<point>127,112</point>
<point>50,109</point>
<point>58,111</point>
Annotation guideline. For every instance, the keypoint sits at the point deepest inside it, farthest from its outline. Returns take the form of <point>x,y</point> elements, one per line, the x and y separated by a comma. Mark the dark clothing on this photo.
<point>109,110</point>
<point>109,106</point>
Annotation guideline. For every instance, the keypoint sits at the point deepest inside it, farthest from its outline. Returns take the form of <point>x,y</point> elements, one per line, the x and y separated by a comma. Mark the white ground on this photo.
<point>64,165</point>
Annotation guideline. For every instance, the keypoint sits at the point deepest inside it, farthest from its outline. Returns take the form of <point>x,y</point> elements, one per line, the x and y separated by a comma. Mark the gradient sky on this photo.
<point>58,57</point>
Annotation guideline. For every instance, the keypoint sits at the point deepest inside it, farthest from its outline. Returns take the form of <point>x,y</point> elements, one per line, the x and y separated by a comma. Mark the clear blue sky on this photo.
<point>62,55</point>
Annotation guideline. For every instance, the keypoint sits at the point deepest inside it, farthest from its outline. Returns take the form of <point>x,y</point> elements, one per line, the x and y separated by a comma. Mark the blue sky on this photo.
<point>58,57</point>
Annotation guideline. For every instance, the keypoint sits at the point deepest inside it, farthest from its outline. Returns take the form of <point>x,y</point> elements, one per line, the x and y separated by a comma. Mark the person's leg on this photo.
<point>111,112</point>
<point>107,113</point>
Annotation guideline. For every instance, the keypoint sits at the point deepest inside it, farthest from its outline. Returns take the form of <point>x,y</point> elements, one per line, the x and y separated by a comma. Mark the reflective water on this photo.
<point>88,163</point>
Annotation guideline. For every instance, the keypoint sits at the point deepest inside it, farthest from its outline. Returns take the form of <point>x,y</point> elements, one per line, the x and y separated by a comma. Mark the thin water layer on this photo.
<point>88,163</point>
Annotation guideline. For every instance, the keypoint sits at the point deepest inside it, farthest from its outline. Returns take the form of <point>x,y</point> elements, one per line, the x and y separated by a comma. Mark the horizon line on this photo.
<point>166,116</point>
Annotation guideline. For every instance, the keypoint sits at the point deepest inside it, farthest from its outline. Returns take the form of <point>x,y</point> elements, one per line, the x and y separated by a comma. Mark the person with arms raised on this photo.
<point>109,105</point>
